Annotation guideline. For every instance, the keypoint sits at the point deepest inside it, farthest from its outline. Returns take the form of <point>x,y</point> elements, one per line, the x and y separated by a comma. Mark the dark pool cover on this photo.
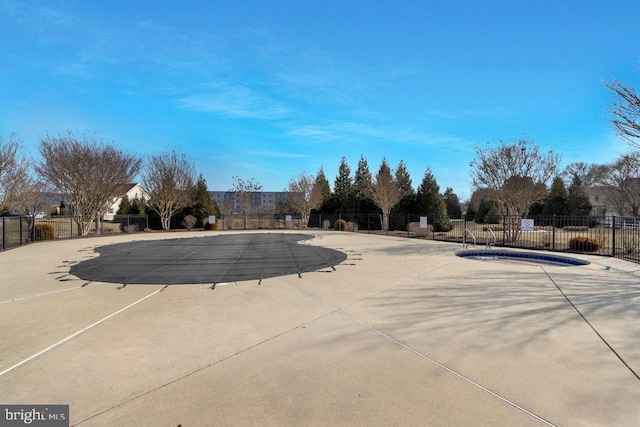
<point>212,259</point>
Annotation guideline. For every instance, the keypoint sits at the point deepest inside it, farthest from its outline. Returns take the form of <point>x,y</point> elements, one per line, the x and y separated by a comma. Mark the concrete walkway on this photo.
<point>402,333</point>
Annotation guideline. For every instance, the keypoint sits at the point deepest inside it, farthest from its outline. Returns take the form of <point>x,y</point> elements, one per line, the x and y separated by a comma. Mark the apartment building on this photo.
<point>262,201</point>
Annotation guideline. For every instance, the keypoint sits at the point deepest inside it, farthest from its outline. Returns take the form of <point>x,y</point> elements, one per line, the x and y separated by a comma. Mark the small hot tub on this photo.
<point>501,255</point>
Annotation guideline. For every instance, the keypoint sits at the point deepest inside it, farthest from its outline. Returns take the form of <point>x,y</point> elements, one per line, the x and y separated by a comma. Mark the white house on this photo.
<point>132,191</point>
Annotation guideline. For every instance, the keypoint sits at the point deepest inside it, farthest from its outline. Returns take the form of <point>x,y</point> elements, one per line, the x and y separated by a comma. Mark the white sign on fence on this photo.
<point>423,222</point>
<point>212,219</point>
<point>526,225</point>
<point>287,218</point>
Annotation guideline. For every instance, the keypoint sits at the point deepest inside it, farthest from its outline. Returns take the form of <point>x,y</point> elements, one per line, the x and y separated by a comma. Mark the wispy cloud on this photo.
<point>75,70</point>
<point>277,154</point>
<point>363,134</point>
<point>313,131</point>
<point>231,100</point>
<point>56,16</point>
<point>49,25</point>
<point>462,114</point>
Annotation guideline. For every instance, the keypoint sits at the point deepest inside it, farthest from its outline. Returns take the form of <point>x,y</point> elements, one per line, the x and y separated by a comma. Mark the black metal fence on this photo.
<point>261,221</point>
<point>17,231</point>
<point>607,235</point>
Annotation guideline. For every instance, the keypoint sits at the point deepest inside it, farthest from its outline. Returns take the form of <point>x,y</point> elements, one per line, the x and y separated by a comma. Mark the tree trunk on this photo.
<point>165,221</point>
<point>385,222</point>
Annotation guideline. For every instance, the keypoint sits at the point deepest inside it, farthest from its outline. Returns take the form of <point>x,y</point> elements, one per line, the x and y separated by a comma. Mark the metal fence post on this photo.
<point>613,236</point>
<point>408,219</point>
<point>553,233</point>
<point>504,229</point>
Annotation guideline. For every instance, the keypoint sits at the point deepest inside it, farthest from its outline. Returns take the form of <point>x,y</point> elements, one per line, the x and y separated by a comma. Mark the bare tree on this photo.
<point>246,191</point>
<point>304,195</point>
<point>385,192</point>
<point>588,174</point>
<point>622,183</point>
<point>625,112</point>
<point>14,172</point>
<point>87,171</point>
<point>32,201</point>
<point>518,173</point>
<point>227,212</point>
<point>169,178</point>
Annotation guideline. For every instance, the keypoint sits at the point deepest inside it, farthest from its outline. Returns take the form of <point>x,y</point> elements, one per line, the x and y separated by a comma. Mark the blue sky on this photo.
<point>270,89</point>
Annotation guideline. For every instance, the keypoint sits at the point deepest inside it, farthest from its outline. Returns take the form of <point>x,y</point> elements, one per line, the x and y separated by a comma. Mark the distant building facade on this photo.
<point>262,201</point>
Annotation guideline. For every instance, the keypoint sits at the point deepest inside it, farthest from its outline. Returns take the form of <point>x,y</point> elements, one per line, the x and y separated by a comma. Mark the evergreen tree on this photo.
<point>125,206</point>
<point>343,189</point>
<point>202,205</point>
<point>138,207</point>
<point>488,212</point>
<point>407,204</point>
<point>430,202</point>
<point>536,210</point>
<point>452,203</point>
<point>404,180</point>
<point>323,184</point>
<point>556,202</point>
<point>578,200</point>
<point>362,184</point>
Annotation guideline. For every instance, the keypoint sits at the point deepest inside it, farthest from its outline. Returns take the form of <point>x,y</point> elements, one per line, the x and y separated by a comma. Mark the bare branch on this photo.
<point>87,171</point>
<point>622,183</point>
<point>385,191</point>
<point>169,179</point>
<point>14,172</point>
<point>245,193</point>
<point>519,173</point>
<point>304,195</point>
<point>625,112</point>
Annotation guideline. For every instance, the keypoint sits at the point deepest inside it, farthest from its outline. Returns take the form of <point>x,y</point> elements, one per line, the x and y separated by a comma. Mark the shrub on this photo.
<point>341,225</point>
<point>584,244</point>
<point>189,221</point>
<point>414,228</point>
<point>442,224</point>
<point>211,226</point>
<point>546,238</point>
<point>131,228</point>
<point>45,232</point>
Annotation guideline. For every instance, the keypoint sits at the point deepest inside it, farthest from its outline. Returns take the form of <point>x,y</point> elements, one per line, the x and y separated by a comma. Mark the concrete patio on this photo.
<point>403,332</point>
